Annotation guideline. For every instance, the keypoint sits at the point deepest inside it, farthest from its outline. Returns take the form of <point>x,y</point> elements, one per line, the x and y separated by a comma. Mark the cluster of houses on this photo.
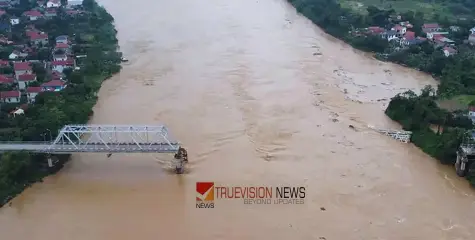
<point>403,34</point>
<point>23,82</point>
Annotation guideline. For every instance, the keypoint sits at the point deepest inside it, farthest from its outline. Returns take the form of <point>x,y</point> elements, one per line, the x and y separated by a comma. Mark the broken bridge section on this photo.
<point>402,136</point>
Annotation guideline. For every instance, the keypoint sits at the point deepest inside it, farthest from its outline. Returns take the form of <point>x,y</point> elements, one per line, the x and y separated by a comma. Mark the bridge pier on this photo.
<point>182,157</point>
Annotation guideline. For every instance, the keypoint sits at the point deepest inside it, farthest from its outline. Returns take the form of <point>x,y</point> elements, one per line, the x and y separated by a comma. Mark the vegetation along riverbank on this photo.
<point>437,38</point>
<point>54,56</point>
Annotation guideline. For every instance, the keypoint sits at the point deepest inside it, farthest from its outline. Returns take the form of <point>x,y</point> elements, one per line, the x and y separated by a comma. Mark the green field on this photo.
<point>429,9</point>
<point>460,102</point>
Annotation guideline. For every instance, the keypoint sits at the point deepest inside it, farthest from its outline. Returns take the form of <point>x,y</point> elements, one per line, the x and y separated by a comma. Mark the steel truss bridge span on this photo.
<point>102,138</point>
<point>106,139</point>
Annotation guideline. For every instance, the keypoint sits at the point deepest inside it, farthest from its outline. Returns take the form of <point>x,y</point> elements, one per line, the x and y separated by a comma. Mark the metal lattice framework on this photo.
<point>113,138</point>
<point>402,136</point>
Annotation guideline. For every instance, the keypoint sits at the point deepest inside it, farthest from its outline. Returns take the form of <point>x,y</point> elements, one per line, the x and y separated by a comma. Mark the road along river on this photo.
<point>252,90</point>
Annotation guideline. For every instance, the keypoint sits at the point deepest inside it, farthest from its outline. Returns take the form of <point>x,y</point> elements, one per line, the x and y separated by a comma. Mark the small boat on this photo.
<point>123,59</point>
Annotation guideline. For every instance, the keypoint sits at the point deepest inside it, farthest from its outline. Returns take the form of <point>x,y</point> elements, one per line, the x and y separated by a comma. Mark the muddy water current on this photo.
<point>259,96</point>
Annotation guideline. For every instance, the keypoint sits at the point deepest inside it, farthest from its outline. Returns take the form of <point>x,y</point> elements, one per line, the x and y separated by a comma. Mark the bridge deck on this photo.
<point>97,148</point>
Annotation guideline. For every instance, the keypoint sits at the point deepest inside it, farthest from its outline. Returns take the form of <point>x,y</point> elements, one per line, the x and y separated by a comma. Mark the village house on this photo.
<point>54,85</point>
<point>62,47</point>
<point>25,80</point>
<point>410,38</point>
<point>61,65</point>
<point>431,35</point>
<point>406,24</point>
<point>5,41</point>
<point>5,4</point>
<point>41,3</point>
<point>431,27</point>
<point>14,21</point>
<point>448,51</point>
<point>441,41</point>
<point>471,113</point>
<point>6,80</point>
<point>60,57</point>
<point>62,39</point>
<point>55,75</point>
<point>472,30</point>
<point>4,63</point>
<point>389,35</point>
<point>33,15</point>
<point>73,3</point>
<point>399,29</point>
<point>53,4</point>
<point>10,96</point>
<point>32,92</point>
<point>17,55</point>
<point>471,39</point>
<point>375,30</point>
<point>21,68</point>
<point>37,37</point>
<point>51,12</point>
<point>454,28</point>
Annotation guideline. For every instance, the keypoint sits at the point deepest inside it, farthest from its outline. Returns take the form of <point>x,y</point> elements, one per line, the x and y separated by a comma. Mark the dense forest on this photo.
<point>94,36</point>
<point>456,74</point>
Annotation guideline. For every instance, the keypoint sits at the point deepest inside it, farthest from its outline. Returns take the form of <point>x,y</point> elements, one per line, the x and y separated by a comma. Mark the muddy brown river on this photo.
<point>251,89</point>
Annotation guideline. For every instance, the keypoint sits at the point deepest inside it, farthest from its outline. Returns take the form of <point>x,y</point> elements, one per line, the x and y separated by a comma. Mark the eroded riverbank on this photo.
<point>238,83</point>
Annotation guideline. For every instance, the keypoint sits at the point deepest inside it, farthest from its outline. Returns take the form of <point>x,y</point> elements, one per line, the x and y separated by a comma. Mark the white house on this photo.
<point>448,51</point>
<point>25,80</point>
<point>32,92</point>
<point>472,30</point>
<point>60,57</point>
<point>390,35</point>
<point>16,55</point>
<point>74,2</point>
<point>400,30</point>
<point>59,66</point>
<point>21,68</point>
<point>430,35</point>
<point>10,96</point>
<point>14,21</point>
<point>53,4</point>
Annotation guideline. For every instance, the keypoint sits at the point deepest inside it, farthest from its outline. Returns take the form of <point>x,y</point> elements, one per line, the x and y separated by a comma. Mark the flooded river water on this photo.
<point>252,90</point>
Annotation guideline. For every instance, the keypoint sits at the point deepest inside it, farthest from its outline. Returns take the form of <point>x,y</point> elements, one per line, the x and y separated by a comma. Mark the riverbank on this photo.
<point>89,31</point>
<point>414,113</point>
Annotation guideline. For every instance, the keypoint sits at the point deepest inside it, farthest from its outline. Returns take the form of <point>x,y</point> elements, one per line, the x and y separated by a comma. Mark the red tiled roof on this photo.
<point>3,62</point>
<point>34,89</point>
<point>2,12</point>
<point>3,4</point>
<point>21,66</point>
<point>53,83</point>
<point>62,45</point>
<point>398,27</point>
<point>37,35</point>
<point>27,77</point>
<point>9,94</point>
<point>409,35</point>
<point>63,63</point>
<point>6,80</point>
<point>33,13</point>
<point>471,108</point>
<point>437,36</point>
<point>51,10</point>
<point>450,50</point>
<point>376,29</point>
<point>431,25</point>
